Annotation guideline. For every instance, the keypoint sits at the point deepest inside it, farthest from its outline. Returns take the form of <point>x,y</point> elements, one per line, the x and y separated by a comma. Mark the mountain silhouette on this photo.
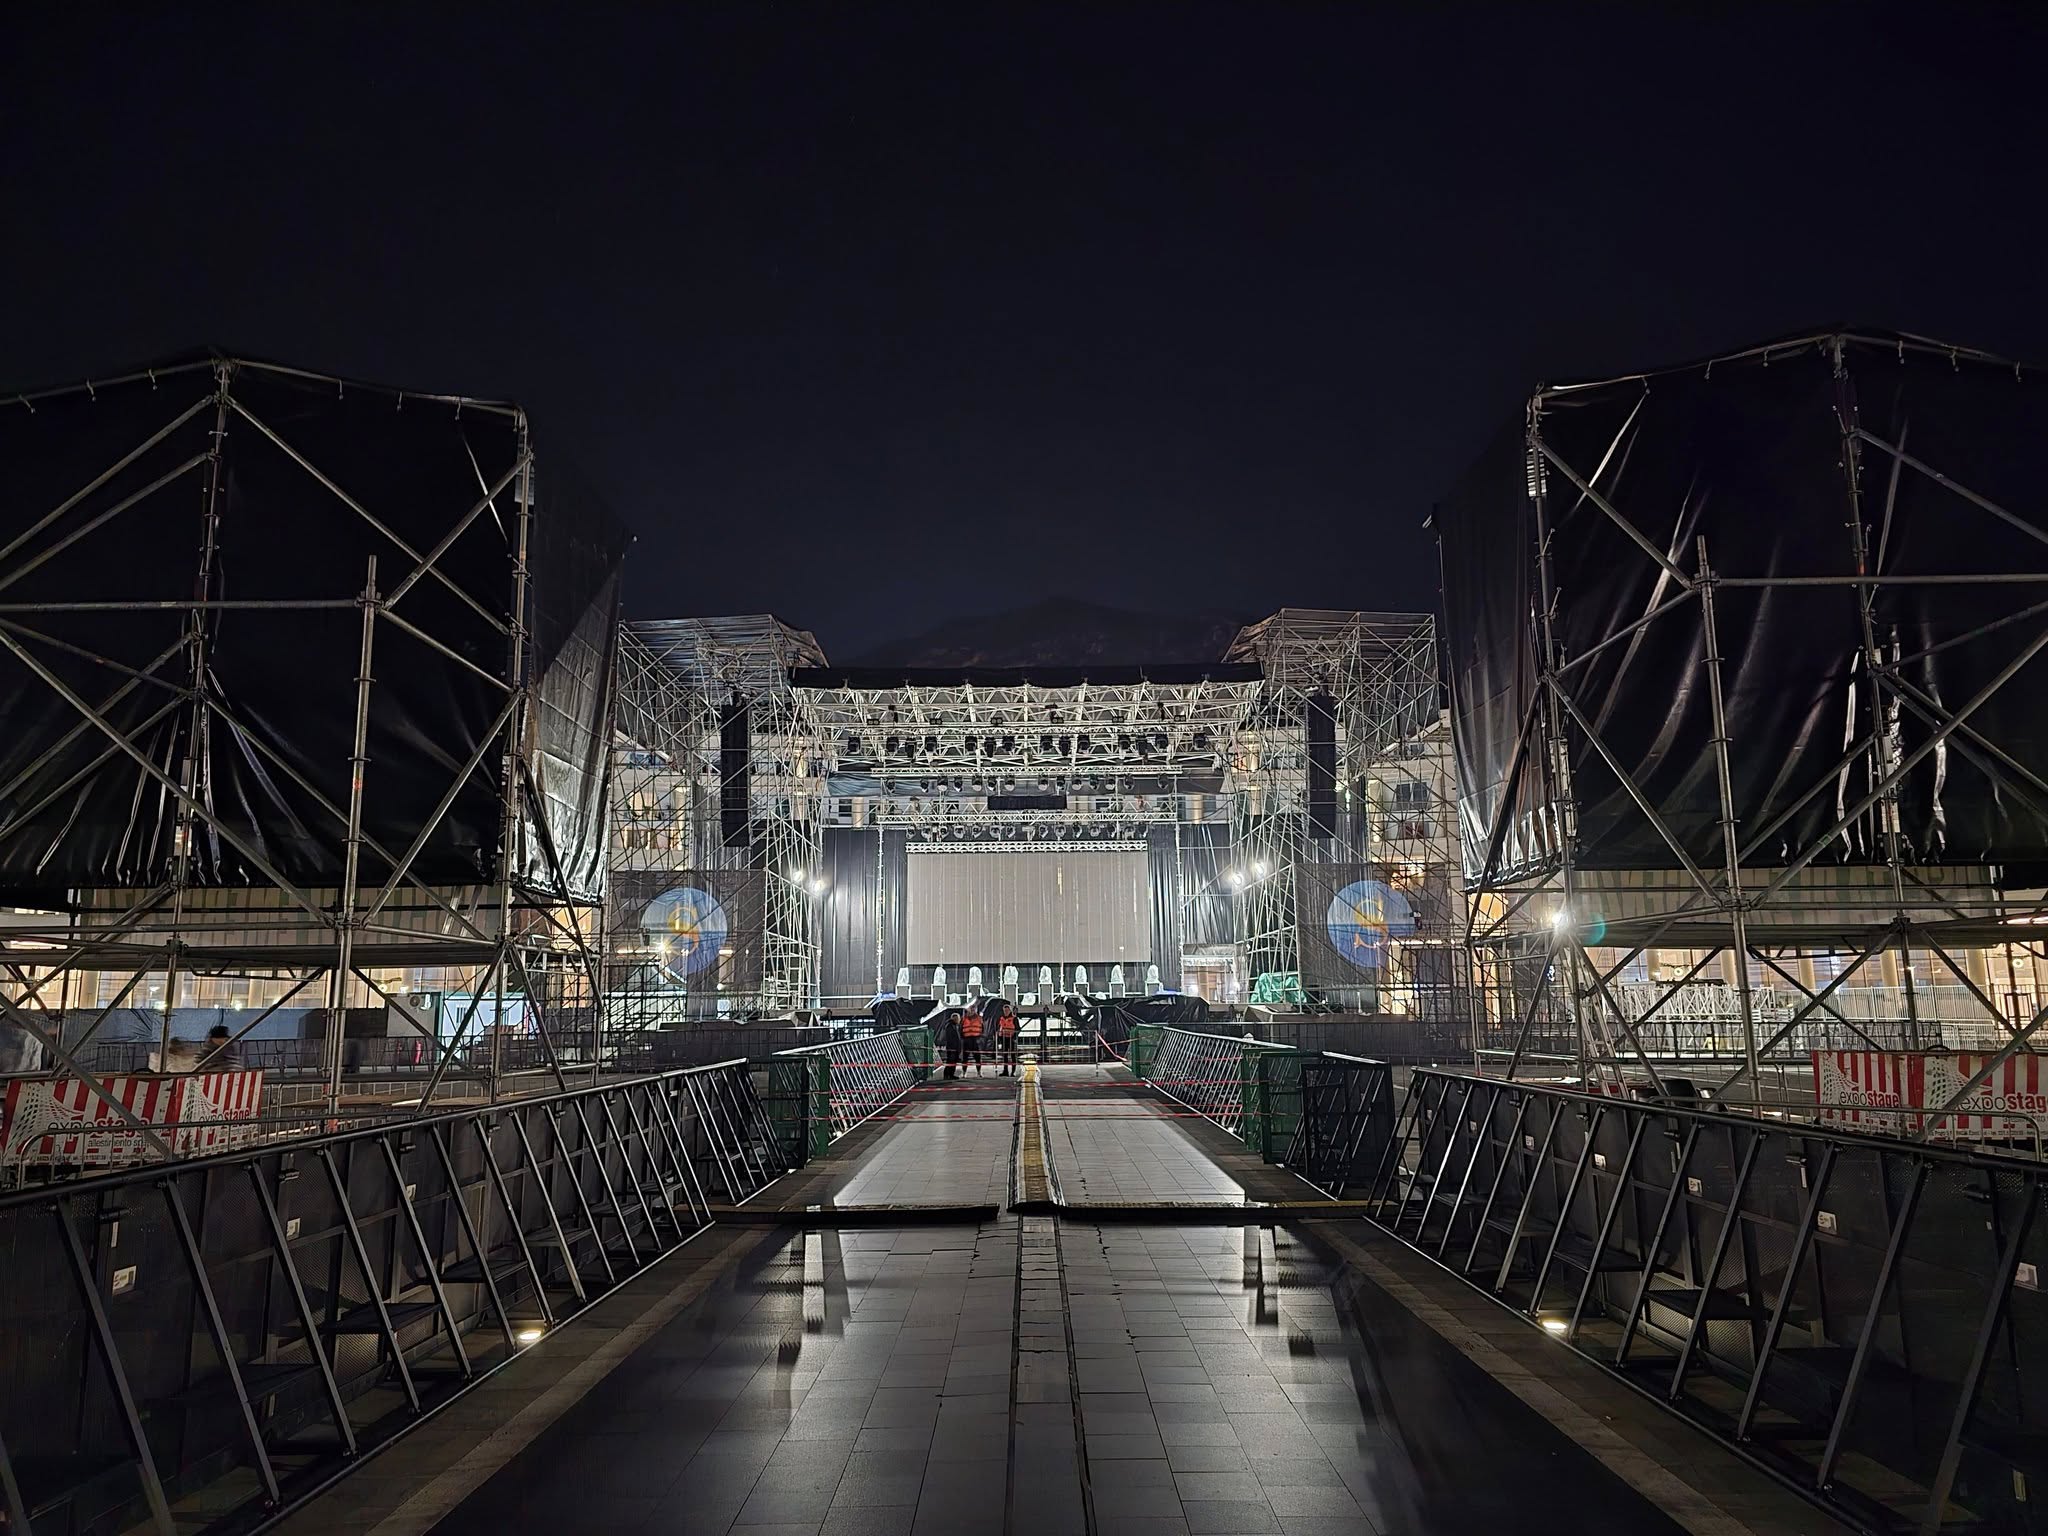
<point>1061,632</point>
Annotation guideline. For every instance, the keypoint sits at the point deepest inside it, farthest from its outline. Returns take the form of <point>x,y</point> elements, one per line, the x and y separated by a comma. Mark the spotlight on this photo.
<point>796,874</point>
<point>1556,1325</point>
<point>818,885</point>
<point>1237,878</point>
<point>1260,868</point>
<point>529,1333</point>
<point>1560,919</point>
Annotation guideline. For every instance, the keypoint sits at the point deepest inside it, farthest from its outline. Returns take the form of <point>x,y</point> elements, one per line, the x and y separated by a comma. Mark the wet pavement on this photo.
<point>1050,1376</point>
<point>1055,1374</point>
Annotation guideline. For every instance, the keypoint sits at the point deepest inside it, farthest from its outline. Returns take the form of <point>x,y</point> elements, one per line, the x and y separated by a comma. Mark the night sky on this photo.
<point>871,315</point>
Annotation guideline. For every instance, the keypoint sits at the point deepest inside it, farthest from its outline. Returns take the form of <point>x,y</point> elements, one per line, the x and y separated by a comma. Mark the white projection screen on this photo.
<point>1023,906</point>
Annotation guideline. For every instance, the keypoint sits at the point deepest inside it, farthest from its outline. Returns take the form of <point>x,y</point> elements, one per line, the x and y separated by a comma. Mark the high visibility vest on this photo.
<point>971,1026</point>
<point>1007,1024</point>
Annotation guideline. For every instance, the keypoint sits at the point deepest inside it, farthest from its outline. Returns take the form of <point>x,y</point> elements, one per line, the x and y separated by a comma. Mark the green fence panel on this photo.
<point>788,1104</point>
<point>920,1049</point>
<point>1145,1040</point>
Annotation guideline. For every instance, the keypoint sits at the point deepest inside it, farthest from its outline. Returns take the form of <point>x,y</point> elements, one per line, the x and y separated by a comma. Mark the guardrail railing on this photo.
<point>191,1346</point>
<point>1347,1119</point>
<point>1862,1316</point>
<point>834,1087</point>
<point>1324,1115</point>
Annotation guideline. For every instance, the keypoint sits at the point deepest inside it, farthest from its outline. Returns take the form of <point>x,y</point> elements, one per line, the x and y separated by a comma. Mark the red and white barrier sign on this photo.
<point>1870,1088</point>
<point>63,1121</point>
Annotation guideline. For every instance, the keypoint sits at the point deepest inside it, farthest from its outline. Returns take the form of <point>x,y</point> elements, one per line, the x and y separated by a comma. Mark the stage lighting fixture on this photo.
<point>796,874</point>
<point>1261,868</point>
<point>1237,878</point>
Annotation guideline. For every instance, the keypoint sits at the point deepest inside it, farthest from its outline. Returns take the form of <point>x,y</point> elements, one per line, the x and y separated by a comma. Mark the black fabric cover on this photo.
<point>75,812</point>
<point>1162,882</point>
<point>1208,905</point>
<point>1112,1018</point>
<point>1748,451</point>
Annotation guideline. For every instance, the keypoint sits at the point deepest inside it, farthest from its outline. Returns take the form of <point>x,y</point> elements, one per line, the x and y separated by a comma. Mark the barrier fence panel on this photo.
<point>1204,1072</point>
<point>1346,1121</point>
<point>1860,1315</point>
<point>842,1084</point>
<point>191,1346</point>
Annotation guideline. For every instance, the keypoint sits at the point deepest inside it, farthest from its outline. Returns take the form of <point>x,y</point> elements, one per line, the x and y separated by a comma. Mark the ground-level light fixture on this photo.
<point>528,1333</point>
<point>1556,1325</point>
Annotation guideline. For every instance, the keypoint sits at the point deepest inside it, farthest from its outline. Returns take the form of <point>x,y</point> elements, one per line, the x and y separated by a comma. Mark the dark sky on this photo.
<point>847,308</point>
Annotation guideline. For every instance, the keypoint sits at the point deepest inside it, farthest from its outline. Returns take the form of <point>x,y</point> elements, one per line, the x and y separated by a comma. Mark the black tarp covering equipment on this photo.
<point>112,495</point>
<point>1779,458</point>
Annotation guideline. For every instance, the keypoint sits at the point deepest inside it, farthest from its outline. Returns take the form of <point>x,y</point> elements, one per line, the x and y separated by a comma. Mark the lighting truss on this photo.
<point>1048,736</point>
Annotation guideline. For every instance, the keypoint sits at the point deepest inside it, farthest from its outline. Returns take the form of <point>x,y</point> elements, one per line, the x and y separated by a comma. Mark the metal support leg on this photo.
<point>626,1171</point>
<point>1909,1201</point>
<point>1479,1139</point>
<point>611,1192</point>
<point>1500,1173</point>
<point>665,1111</point>
<point>373,1283</point>
<point>1621,1192</point>
<point>110,1357</point>
<point>497,1181</point>
<point>1973,1378</point>
<point>223,1342</point>
<point>429,1259</point>
<point>1564,1207</point>
<point>281,1247</point>
<point>1443,1162</point>
<point>10,1491</point>
<point>460,1197</point>
<point>1713,1273</point>
<point>1542,1161</point>
<point>540,1183</point>
<point>563,1156</point>
<point>1801,1244</point>
<point>1672,1196</point>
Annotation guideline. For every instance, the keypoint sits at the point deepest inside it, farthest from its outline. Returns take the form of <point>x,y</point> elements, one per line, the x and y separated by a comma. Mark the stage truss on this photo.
<point>1030,759</point>
<point>719,782</point>
<point>1729,972</point>
<point>432,968</point>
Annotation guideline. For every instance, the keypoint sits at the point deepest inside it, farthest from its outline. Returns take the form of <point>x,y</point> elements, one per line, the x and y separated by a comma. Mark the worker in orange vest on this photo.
<point>1006,1039</point>
<point>970,1037</point>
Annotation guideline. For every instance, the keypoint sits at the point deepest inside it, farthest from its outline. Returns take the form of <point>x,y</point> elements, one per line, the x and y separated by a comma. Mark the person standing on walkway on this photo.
<point>950,1042</point>
<point>1006,1038</point>
<point>970,1034</point>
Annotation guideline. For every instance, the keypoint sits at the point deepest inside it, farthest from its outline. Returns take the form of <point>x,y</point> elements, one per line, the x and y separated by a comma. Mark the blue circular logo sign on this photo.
<point>1362,917</point>
<point>686,928</point>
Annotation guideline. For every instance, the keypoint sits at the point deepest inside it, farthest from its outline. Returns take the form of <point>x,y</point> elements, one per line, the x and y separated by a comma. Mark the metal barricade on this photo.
<point>1346,1120</point>
<point>1860,1315</point>
<point>192,1346</point>
<point>846,1082</point>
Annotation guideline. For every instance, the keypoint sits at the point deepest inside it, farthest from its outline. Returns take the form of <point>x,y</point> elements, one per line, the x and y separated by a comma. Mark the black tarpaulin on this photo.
<point>1774,457</point>
<point>107,503</point>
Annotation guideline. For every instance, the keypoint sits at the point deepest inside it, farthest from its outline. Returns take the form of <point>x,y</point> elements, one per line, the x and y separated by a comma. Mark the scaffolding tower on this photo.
<point>716,816</point>
<point>239,594</point>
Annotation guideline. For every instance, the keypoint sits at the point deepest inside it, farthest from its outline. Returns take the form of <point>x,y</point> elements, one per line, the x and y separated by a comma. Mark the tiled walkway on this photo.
<point>1115,1142</point>
<point>1044,1375</point>
<point>949,1145</point>
<point>912,1383</point>
<point>1114,1148</point>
